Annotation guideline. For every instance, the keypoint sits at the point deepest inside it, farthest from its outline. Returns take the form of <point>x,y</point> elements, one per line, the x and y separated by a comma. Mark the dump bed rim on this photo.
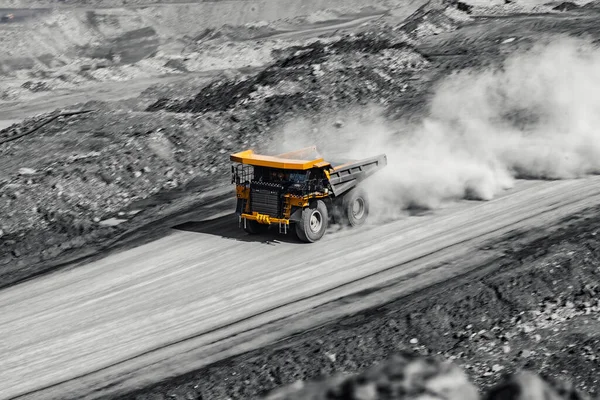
<point>250,158</point>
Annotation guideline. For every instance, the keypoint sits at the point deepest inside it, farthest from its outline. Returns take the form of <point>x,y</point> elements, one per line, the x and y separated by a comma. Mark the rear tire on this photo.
<point>356,207</point>
<point>254,228</point>
<point>313,223</point>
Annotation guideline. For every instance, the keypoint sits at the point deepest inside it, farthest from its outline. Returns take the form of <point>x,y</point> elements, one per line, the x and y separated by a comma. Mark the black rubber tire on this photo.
<point>313,223</point>
<point>254,228</point>
<point>356,207</point>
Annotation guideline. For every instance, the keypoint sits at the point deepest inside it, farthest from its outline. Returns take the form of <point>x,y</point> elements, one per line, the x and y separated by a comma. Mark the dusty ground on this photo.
<point>187,300</point>
<point>130,163</point>
<point>537,309</point>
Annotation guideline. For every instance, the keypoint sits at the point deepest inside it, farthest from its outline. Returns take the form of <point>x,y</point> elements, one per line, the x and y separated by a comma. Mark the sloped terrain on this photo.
<point>76,47</point>
<point>535,307</point>
<point>81,179</point>
<point>75,185</point>
<point>76,171</point>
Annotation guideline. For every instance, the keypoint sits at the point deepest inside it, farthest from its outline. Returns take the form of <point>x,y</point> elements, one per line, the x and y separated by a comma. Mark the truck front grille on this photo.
<point>265,199</point>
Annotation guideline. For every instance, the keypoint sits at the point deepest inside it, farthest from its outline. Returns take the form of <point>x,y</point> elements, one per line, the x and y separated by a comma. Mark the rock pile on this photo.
<point>407,376</point>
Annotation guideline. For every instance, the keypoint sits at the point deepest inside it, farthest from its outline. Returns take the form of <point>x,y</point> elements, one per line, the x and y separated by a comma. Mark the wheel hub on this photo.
<point>316,221</point>
<point>358,208</point>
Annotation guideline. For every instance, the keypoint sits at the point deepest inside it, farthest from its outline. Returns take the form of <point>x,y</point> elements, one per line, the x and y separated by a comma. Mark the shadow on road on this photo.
<point>228,227</point>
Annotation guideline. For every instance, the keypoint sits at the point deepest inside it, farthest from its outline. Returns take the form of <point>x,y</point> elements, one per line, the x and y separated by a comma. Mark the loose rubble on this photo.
<point>407,376</point>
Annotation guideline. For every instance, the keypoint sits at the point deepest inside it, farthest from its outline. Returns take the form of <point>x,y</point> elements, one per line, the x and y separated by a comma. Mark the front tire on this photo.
<point>313,223</point>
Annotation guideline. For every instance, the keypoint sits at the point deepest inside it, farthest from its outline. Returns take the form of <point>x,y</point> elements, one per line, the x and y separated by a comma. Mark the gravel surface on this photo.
<point>536,310</point>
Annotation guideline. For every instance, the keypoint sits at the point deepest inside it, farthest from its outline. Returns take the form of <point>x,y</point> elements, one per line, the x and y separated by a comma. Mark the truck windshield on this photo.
<point>298,177</point>
<point>280,176</point>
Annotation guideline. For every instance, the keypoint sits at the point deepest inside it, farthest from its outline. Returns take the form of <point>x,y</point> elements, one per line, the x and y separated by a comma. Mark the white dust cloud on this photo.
<point>538,116</point>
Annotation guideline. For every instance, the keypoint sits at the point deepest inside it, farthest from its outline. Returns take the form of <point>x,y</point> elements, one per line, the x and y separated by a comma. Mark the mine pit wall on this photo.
<point>53,36</point>
<point>242,11</point>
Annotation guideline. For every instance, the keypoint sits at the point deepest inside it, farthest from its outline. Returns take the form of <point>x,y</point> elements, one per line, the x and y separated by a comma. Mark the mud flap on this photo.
<point>296,214</point>
<point>239,209</point>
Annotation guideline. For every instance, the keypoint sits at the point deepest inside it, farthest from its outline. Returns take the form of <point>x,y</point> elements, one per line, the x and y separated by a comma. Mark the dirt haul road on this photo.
<point>175,304</point>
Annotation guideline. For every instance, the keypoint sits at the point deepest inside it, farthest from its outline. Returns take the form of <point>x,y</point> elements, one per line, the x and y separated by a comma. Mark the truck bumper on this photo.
<point>264,219</point>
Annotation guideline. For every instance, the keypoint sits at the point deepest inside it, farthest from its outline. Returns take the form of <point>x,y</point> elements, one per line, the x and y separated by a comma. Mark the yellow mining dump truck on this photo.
<point>300,192</point>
